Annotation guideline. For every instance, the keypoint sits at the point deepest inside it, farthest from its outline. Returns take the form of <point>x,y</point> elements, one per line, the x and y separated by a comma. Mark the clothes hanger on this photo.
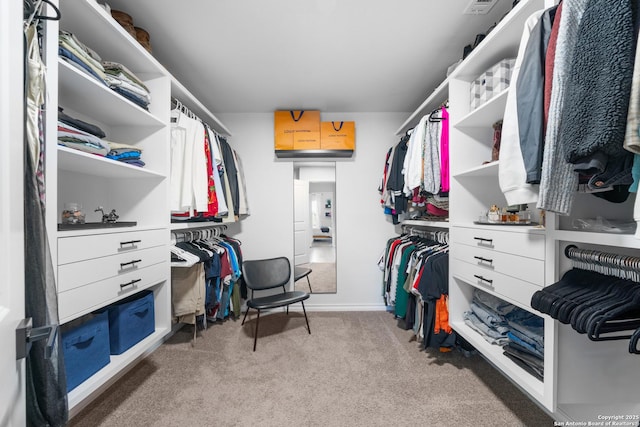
<point>591,313</point>
<point>633,342</point>
<point>28,8</point>
<point>433,119</point>
<point>620,315</point>
<point>32,10</point>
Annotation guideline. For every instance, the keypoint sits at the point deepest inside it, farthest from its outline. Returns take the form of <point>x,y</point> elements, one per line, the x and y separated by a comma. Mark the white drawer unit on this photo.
<point>529,245</point>
<point>97,269</point>
<point>84,299</point>
<point>523,268</point>
<point>80,248</point>
<point>512,289</point>
<point>75,274</point>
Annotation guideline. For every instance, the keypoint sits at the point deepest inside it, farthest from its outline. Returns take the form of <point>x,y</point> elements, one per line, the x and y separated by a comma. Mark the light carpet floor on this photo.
<point>322,278</point>
<point>355,369</point>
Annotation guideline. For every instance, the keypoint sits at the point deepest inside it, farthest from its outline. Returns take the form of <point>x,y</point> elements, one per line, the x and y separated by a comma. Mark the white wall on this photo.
<point>317,174</point>
<point>361,227</point>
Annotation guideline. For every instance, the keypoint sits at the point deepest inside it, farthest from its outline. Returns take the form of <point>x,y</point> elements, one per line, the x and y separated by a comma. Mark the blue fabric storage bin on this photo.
<point>86,348</point>
<point>130,320</point>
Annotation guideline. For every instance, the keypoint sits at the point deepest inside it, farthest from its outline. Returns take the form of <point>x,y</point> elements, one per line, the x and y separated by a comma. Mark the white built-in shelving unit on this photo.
<point>582,379</point>
<point>87,261</point>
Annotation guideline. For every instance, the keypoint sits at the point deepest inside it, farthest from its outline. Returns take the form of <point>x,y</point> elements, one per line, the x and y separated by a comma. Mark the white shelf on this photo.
<point>428,224</point>
<point>73,160</point>
<point>118,365</point>
<point>533,229</point>
<point>183,95</point>
<point>493,353</point>
<point>504,45</point>
<point>84,94</point>
<point>175,226</point>
<point>501,43</point>
<point>433,101</point>
<point>94,27</point>
<point>488,113</point>
<point>486,170</point>
<point>607,239</point>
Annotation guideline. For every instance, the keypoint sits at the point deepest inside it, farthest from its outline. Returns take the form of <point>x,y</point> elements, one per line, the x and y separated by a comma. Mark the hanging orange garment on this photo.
<point>441,323</point>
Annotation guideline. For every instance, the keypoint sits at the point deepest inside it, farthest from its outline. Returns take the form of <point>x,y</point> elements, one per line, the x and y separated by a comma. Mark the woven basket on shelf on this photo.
<point>125,20</point>
<point>143,38</point>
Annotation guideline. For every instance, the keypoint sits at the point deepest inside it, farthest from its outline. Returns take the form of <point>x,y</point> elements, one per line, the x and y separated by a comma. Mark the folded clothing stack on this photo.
<point>72,137</point>
<point>125,153</point>
<point>77,54</point>
<point>127,84</point>
<point>519,332</point>
<point>79,124</point>
<point>438,205</point>
<point>87,137</point>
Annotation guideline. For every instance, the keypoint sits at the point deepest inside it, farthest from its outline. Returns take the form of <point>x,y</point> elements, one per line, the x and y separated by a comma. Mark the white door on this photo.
<point>12,406</point>
<point>301,221</point>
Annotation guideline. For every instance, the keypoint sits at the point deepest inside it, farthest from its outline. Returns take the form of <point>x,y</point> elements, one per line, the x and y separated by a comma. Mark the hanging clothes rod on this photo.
<point>198,233</point>
<point>436,235</point>
<point>622,266</point>
<point>178,105</point>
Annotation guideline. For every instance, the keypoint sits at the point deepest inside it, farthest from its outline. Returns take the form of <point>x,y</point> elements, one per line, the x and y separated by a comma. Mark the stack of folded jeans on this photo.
<point>487,321</point>
<point>486,316</point>
<point>125,153</point>
<point>77,54</point>
<point>123,81</point>
<point>520,332</point>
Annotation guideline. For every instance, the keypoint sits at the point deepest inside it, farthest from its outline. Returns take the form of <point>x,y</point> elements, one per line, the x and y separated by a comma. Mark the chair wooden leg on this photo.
<point>245,316</point>
<point>305,317</point>
<point>255,337</point>
<point>309,282</point>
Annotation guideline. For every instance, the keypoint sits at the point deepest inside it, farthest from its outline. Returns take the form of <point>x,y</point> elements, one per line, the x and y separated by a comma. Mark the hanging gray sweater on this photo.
<point>597,92</point>
<point>559,182</point>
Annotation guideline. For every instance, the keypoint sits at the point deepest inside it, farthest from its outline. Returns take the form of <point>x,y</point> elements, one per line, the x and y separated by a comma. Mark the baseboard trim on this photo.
<point>339,307</point>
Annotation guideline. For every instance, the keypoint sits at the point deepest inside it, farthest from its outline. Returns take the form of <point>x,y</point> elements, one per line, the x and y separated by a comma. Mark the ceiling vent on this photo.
<point>479,7</point>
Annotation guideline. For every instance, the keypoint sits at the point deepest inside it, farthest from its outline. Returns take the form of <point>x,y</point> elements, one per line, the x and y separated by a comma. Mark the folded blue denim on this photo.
<point>494,303</point>
<point>73,58</point>
<point>490,319</point>
<point>524,349</point>
<point>489,334</point>
<point>534,336</point>
<point>518,340</point>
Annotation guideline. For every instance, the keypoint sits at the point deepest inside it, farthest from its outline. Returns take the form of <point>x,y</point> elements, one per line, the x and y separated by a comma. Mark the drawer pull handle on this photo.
<point>482,240</point>
<point>130,242</point>
<point>131,283</point>
<point>124,264</point>
<point>487,260</point>
<point>489,281</point>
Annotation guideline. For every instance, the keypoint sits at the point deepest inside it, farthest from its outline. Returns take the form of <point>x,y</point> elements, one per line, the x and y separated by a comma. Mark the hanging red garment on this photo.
<point>212,207</point>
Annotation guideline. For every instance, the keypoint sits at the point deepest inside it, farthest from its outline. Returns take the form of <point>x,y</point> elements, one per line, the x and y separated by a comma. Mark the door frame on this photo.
<point>12,298</point>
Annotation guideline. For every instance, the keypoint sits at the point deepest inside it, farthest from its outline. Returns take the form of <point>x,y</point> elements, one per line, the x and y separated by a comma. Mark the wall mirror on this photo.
<point>315,226</point>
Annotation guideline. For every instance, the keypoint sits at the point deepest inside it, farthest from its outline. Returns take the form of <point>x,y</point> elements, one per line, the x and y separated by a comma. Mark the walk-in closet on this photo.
<point>320,213</point>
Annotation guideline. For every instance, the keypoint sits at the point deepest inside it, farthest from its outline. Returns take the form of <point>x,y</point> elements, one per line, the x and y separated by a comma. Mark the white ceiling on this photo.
<point>330,55</point>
